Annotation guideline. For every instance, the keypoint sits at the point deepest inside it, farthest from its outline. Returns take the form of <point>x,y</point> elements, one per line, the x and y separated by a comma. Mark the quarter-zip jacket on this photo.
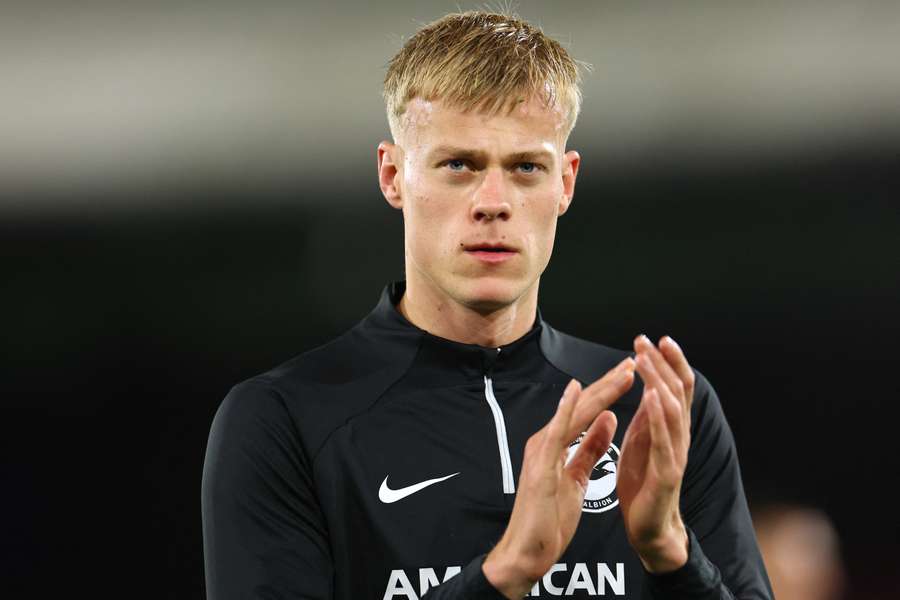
<point>384,465</point>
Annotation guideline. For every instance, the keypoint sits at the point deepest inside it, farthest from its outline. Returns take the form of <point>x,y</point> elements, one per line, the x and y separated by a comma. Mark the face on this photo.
<point>480,196</point>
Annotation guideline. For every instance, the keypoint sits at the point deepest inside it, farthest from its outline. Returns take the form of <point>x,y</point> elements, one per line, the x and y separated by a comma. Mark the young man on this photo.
<point>384,464</point>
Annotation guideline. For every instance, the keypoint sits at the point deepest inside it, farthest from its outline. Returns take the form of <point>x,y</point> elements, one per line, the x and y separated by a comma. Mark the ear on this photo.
<point>570,163</point>
<point>389,173</point>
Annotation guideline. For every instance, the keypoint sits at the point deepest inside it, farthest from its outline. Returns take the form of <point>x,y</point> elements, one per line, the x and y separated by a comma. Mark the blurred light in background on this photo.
<point>802,552</point>
<point>163,95</point>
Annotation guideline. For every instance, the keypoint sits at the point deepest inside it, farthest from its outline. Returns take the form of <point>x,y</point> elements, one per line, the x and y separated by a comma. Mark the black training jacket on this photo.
<point>384,465</point>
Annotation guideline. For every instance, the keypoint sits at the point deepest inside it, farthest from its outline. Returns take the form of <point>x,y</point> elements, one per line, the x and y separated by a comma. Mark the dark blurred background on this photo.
<point>188,197</point>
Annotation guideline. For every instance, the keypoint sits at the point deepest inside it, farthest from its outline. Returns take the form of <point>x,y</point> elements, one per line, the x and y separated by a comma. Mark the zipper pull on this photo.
<point>488,360</point>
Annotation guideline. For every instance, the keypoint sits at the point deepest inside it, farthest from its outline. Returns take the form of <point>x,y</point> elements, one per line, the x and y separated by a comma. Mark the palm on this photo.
<point>556,498</point>
<point>654,454</point>
<point>635,481</point>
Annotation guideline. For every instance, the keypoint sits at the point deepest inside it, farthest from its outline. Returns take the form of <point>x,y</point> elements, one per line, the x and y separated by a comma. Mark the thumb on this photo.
<point>594,444</point>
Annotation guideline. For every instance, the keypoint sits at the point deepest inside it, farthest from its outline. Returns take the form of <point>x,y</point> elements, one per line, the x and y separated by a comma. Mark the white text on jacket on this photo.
<point>558,581</point>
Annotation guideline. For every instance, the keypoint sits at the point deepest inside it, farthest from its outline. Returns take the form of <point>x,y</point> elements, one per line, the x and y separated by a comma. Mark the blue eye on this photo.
<point>527,167</point>
<point>456,164</point>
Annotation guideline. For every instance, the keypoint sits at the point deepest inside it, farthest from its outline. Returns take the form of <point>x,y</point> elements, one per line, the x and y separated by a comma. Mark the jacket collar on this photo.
<point>572,356</point>
<point>472,359</point>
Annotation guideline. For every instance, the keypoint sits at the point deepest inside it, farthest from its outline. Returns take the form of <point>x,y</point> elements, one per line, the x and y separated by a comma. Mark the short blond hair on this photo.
<point>484,61</point>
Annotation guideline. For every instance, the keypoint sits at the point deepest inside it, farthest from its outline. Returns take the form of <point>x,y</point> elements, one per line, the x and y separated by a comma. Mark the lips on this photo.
<point>489,247</point>
<point>490,253</point>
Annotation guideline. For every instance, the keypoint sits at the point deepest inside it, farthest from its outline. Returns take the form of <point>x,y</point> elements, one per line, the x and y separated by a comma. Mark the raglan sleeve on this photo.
<point>724,560</point>
<point>264,533</point>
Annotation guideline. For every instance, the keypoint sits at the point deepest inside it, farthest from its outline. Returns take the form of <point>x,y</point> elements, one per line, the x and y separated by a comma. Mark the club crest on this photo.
<point>601,491</point>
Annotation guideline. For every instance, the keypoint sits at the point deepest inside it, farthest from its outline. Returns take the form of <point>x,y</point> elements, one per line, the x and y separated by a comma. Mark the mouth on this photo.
<point>490,252</point>
<point>489,247</point>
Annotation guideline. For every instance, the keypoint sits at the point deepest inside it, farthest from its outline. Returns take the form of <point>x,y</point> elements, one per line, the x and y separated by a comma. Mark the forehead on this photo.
<point>427,123</point>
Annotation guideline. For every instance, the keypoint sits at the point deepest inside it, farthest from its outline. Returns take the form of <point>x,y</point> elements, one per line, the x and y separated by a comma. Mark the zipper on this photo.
<point>509,485</point>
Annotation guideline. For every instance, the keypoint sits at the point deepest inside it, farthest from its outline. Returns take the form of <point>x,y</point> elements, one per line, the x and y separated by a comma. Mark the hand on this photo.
<point>654,456</point>
<point>551,491</point>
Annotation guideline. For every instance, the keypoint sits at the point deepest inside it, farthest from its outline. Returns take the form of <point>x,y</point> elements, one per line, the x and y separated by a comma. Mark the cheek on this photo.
<point>543,222</point>
<point>429,226</point>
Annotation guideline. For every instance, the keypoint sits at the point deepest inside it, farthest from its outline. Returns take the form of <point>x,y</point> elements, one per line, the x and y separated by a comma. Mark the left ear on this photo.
<point>570,162</point>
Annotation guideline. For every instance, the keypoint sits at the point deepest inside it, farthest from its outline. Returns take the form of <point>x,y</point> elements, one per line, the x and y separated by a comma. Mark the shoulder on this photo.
<point>582,359</point>
<point>585,360</point>
<point>319,390</point>
<point>588,361</point>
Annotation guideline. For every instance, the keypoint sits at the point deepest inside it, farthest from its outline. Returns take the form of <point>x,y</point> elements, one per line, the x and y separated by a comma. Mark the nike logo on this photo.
<point>387,495</point>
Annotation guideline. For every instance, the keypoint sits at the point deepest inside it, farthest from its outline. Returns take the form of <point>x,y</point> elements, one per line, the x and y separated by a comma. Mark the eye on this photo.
<point>456,164</point>
<point>528,167</point>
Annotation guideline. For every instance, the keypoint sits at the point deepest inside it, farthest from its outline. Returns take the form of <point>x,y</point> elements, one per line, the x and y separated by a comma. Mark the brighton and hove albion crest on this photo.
<point>601,491</point>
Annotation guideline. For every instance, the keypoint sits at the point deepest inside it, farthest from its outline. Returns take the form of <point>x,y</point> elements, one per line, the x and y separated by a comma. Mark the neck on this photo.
<point>440,315</point>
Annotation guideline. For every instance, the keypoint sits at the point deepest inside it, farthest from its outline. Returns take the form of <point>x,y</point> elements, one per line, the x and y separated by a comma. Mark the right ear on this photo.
<point>389,173</point>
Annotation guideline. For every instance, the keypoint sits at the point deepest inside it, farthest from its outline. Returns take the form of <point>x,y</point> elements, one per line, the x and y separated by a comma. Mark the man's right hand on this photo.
<point>551,491</point>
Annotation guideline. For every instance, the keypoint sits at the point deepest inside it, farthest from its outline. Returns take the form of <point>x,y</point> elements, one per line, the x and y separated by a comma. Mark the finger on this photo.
<point>594,444</point>
<point>635,447</point>
<point>673,408</point>
<point>662,457</point>
<point>643,345</point>
<point>669,384</point>
<point>672,351</point>
<point>601,394</point>
<point>557,437</point>
<point>638,423</point>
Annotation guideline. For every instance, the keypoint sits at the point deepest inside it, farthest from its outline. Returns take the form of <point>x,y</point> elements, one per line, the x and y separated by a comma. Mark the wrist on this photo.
<point>504,571</point>
<point>666,554</point>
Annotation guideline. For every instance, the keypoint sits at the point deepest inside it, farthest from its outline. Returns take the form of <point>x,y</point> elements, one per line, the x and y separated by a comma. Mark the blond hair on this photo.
<point>484,61</point>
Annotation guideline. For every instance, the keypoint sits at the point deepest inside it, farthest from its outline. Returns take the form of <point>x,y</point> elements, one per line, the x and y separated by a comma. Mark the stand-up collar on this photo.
<point>513,359</point>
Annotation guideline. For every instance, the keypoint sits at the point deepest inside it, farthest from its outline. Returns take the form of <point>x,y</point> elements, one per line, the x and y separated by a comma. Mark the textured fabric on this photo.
<point>385,464</point>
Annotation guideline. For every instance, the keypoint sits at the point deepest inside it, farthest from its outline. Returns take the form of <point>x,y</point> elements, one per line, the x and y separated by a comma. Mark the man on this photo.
<point>383,464</point>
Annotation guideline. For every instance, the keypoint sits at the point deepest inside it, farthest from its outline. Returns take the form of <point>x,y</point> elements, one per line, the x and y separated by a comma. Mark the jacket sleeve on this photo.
<point>468,584</point>
<point>724,561</point>
<point>264,533</point>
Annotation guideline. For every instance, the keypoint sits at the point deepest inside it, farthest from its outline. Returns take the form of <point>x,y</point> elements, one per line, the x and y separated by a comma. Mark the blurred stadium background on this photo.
<point>188,197</point>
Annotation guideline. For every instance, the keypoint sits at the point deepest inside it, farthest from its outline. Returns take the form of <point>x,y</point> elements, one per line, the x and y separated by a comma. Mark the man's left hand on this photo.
<point>654,456</point>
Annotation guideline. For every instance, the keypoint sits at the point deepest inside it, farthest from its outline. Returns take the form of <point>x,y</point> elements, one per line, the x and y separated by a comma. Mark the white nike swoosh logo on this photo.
<point>387,495</point>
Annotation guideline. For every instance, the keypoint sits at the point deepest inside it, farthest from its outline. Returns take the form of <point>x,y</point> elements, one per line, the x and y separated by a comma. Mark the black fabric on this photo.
<point>297,458</point>
<point>698,578</point>
<point>470,583</point>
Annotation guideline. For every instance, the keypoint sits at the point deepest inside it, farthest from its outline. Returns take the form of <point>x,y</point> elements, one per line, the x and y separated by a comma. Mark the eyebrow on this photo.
<point>460,152</point>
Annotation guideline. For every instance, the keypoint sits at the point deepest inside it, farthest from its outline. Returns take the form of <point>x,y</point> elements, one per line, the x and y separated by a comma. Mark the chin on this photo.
<point>488,294</point>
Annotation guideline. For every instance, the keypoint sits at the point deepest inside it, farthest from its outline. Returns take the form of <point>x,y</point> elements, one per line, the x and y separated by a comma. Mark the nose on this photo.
<point>491,198</point>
